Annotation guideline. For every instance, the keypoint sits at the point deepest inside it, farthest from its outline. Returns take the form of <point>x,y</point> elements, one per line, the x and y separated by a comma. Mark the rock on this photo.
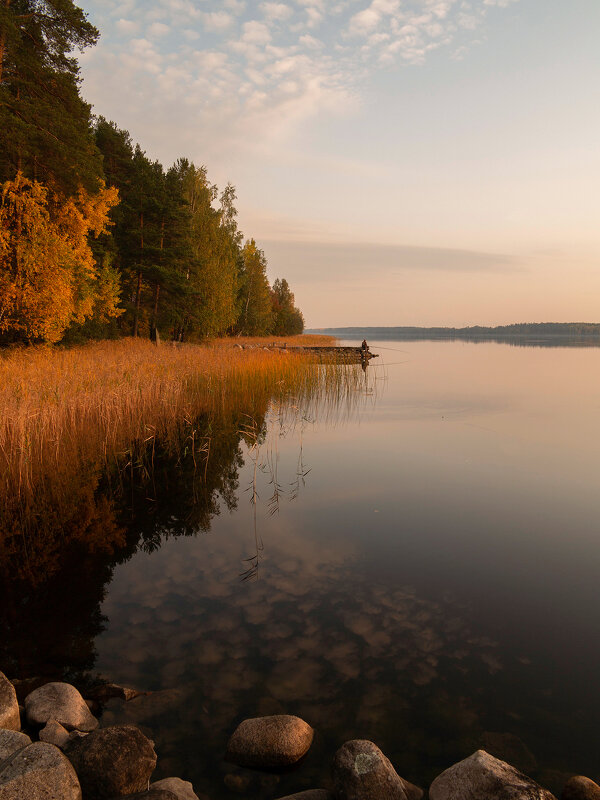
<point>311,794</point>
<point>39,772</point>
<point>61,702</point>
<point>237,783</point>
<point>362,772</point>
<point>11,742</point>
<point>10,719</point>
<point>183,790</point>
<point>151,794</point>
<point>269,742</point>
<point>509,748</point>
<point>54,733</point>
<point>107,691</point>
<point>112,762</point>
<point>482,775</point>
<point>580,788</point>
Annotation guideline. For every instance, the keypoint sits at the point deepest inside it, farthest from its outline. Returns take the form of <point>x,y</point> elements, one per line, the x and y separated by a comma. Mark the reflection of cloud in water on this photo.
<point>312,637</point>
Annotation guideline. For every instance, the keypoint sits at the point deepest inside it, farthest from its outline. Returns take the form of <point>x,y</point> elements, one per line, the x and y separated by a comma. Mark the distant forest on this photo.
<point>96,239</point>
<point>544,332</point>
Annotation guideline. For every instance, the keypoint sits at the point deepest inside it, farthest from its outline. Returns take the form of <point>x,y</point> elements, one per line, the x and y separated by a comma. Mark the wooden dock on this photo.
<point>350,355</point>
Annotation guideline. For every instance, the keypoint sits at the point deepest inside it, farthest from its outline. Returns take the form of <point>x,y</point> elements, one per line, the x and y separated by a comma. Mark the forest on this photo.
<point>97,240</point>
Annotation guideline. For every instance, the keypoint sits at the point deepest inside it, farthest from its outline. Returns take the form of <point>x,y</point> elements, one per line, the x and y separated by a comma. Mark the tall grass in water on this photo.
<point>67,417</point>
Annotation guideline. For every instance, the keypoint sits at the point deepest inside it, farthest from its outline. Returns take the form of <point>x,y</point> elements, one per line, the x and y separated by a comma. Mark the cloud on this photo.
<point>315,262</point>
<point>127,26</point>
<point>270,63</point>
<point>158,29</point>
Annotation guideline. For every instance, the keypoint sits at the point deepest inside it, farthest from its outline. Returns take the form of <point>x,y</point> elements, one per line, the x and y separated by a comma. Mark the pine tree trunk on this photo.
<point>138,298</point>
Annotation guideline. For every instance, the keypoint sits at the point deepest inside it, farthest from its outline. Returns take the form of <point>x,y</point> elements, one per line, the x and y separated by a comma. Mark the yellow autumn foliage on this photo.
<point>48,275</point>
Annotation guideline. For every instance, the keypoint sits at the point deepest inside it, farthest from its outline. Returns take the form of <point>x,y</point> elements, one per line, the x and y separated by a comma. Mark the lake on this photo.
<point>420,568</point>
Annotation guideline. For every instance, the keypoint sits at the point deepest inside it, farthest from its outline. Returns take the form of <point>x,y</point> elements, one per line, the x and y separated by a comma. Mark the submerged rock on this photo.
<point>183,790</point>
<point>580,788</point>
<point>113,762</point>
<point>482,775</point>
<point>39,772</point>
<point>151,794</point>
<point>108,691</point>
<point>11,742</point>
<point>61,702</point>
<point>269,742</point>
<point>10,719</point>
<point>362,772</point>
<point>310,794</point>
<point>55,734</point>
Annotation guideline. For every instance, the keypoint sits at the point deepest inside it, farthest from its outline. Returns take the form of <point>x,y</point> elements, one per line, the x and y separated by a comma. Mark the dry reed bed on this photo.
<point>64,410</point>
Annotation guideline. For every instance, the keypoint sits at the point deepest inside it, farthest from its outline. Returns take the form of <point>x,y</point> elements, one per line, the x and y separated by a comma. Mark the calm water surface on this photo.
<point>426,576</point>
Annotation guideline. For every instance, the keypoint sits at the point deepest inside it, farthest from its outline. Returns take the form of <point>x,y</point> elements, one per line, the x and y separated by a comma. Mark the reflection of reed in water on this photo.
<point>72,420</point>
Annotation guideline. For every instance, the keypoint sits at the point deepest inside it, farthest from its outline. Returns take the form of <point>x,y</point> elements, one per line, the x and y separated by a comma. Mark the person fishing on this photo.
<point>364,347</point>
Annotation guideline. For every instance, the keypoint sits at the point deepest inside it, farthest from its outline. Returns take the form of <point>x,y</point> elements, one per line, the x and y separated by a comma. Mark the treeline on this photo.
<point>521,329</point>
<point>97,239</point>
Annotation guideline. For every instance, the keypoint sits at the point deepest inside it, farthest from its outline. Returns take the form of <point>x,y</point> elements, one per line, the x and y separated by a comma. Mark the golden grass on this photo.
<point>306,339</point>
<point>75,412</point>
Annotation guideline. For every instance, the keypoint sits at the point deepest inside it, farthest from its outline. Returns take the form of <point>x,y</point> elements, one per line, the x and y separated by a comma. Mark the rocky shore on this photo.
<point>53,748</point>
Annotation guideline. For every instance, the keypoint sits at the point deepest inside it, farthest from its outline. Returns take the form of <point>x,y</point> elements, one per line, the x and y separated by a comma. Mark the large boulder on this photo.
<point>112,762</point>
<point>580,788</point>
<point>38,772</point>
<point>183,790</point>
<point>62,703</point>
<point>11,742</point>
<point>309,794</point>
<point>362,772</point>
<point>10,718</point>
<point>482,775</point>
<point>269,742</point>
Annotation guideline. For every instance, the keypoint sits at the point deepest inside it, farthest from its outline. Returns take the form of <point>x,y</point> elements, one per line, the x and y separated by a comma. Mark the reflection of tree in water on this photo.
<point>53,583</point>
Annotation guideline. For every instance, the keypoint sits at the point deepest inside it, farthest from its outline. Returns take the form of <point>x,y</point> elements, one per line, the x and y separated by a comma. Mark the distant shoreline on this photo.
<point>544,330</point>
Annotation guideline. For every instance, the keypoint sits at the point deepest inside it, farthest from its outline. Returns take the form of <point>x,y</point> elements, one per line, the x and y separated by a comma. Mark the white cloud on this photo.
<point>276,11</point>
<point>127,26</point>
<point>263,60</point>
<point>217,20</point>
<point>158,29</point>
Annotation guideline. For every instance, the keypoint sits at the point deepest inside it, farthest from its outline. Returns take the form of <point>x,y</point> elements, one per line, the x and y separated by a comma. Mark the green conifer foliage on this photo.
<point>44,124</point>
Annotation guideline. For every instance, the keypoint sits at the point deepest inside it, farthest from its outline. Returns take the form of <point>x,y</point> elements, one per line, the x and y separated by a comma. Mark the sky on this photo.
<point>400,162</point>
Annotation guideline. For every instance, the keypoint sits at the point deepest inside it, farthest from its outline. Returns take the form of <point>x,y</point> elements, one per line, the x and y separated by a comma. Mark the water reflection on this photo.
<point>421,567</point>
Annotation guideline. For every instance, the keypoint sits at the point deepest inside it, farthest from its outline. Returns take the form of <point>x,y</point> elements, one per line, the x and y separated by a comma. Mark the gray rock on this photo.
<point>39,772</point>
<point>10,719</point>
<point>11,742</point>
<point>183,790</point>
<point>112,762</point>
<point>482,775</point>
<point>269,742</point>
<point>310,794</point>
<point>580,788</point>
<point>61,702</point>
<point>362,772</point>
<point>55,734</point>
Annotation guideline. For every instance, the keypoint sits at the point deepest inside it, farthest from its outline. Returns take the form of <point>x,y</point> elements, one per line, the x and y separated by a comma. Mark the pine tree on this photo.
<point>45,128</point>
